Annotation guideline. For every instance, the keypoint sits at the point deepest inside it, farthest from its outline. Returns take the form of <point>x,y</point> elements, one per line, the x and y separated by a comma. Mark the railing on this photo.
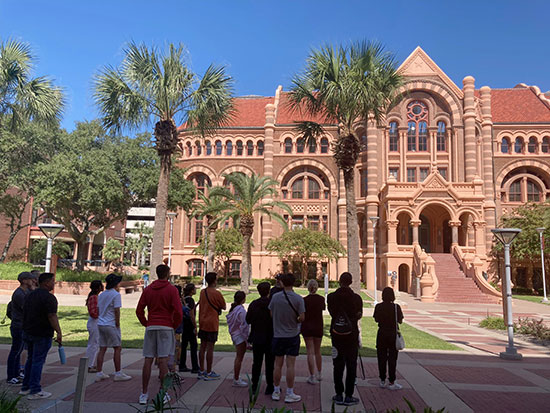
<point>472,266</point>
<point>424,273</point>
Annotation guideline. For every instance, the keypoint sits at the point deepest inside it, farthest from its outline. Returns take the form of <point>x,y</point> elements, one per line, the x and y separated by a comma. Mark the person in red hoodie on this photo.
<point>164,314</point>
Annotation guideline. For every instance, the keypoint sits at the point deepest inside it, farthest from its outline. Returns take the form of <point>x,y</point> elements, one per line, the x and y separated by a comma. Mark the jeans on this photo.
<point>37,348</point>
<point>188,336</point>
<point>345,356</point>
<point>386,354</point>
<point>14,358</point>
<point>258,353</point>
<point>93,341</point>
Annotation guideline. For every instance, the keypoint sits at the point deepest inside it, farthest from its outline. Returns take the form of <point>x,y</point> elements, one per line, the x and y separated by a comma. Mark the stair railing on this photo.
<point>472,266</point>
<point>424,271</point>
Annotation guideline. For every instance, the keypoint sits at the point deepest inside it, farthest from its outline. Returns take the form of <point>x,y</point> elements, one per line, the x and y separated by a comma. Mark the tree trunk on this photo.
<point>8,245</point>
<point>226,270</point>
<point>157,249</point>
<point>352,234</point>
<point>246,264</point>
<point>211,249</point>
<point>81,255</point>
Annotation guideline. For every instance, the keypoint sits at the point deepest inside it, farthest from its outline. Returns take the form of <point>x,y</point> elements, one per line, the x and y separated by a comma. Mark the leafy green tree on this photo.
<point>344,85</point>
<point>23,97</point>
<point>112,250</point>
<point>37,252</point>
<point>152,86</point>
<point>250,195</point>
<point>305,245</point>
<point>227,242</point>
<point>94,179</point>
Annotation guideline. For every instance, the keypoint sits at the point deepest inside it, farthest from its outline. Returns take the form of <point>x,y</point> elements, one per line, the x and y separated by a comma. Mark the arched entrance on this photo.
<point>434,233</point>
<point>404,278</point>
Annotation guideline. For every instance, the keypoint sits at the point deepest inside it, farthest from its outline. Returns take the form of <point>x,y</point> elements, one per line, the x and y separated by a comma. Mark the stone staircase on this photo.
<point>454,286</point>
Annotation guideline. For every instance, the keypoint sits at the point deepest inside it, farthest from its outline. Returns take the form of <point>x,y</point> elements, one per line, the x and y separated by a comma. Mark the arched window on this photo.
<point>314,189</point>
<point>201,181</point>
<point>218,147</point>
<point>229,148</point>
<point>300,143</point>
<point>260,148</point>
<point>518,145</point>
<point>239,148</point>
<point>505,145</point>
<point>288,145</point>
<point>545,147</point>
<point>533,191</point>
<point>324,145</point>
<point>249,148</point>
<point>441,137</point>
<point>208,148</point>
<point>363,143</point>
<point>417,134</point>
<point>394,137</point>
<point>532,145</point>
<point>312,145</point>
<point>514,193</point>
<point>198,148</point>
<point>194,268</point>
<point>298,188</point>
<point>189,149</point>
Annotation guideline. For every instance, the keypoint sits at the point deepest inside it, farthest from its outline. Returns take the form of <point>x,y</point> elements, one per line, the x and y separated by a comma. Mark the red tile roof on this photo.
<point>250,111</point>
<point>287,116</point>
<point>518,105</point>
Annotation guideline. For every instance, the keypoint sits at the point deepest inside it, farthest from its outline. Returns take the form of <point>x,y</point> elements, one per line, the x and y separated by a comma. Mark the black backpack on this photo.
<point>341,325</point>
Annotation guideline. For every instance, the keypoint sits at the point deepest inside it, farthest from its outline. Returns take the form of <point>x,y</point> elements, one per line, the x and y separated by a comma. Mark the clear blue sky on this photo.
<point>263,43</point>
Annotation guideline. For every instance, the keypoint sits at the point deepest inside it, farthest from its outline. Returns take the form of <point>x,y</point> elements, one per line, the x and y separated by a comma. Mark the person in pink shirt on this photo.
<point>238,328</point>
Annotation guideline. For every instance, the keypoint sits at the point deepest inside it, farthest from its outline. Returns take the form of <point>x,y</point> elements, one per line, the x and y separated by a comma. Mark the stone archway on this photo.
<point>403,277</point>
<point>435,234</point>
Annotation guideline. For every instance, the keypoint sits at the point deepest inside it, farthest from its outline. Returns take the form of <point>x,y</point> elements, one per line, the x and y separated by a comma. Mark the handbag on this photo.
<point>399,340</point>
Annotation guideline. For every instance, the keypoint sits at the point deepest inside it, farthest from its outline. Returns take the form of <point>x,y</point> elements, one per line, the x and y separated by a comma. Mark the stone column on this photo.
<point>392,235</point>
<point>269,131</point>
<point>415,224</point>
<point>401,177</point>
<point>469,128</point>
<point>479,227</point>
<point>454,228</point>
<point>372,195</point>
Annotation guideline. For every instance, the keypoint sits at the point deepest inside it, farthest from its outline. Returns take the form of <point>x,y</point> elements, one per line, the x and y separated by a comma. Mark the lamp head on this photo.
<point>541,230</point>
<point>172,215</point>
<point>374,220</point>
<point>51,230</point>
<point>506,235</point>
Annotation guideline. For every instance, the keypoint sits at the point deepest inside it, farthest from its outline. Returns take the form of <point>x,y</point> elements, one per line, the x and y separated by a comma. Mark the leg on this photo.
<point>318,357</point>
<point>100,358</point>
<point>183,355</point>
<point>338,363</point>
<point>146,374</point>
<point>209,355</point>
<point>269,367</point>
<point>116,358</point>
<point>93,343</point>
<point>240,350</point>
<point>290,362</point>
<point>14,358</point>
<point>310,355</point>
<point>202,353</point>
<point>351,366</point>
<point>28,364</point>
<point>40,351</point>
<point>163,368</point>
<point>392,363</point>
<point>257,360</point>
<point>277,373</point>
<point>193,351</point>
<point>382,355</point>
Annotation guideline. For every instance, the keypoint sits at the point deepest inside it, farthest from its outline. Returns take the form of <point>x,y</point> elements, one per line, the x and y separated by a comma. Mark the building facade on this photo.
<point>440,171</point>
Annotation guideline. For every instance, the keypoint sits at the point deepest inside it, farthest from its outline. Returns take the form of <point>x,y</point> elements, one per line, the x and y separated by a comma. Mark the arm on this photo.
<point>117,317</point>
<point>140,310</point>
<point>359,304</point>
<point>301,317</point>
<point>399,314</point>
<point>301,310</point>
<point>223,306</point>
<point>178,311</point>
<point>54,322</point>
<point>93,310</point>
<point>250,313</point>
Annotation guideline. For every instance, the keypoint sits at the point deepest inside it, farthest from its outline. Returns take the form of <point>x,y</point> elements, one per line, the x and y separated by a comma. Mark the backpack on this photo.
<point>186,310</point>
<point>8,310</point>
<point>341,325</point>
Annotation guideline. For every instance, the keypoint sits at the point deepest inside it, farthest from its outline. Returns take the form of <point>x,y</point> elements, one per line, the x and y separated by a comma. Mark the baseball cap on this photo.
<point>25,275</point>
<point>112,280</point>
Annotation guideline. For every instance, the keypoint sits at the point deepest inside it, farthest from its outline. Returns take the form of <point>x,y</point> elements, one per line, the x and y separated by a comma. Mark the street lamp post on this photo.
<point>540,231</point>
<point>506,236</point>
<point>171,216</point>
<point>374,221</point>
<point>50,231</point>
<point>205,256</point>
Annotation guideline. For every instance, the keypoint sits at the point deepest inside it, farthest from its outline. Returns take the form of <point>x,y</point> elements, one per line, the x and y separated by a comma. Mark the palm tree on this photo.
<point>23,97</point>
<point>250,195</point>
<point>344,85</point>
<point>211,207</point>
<point>155,87</point>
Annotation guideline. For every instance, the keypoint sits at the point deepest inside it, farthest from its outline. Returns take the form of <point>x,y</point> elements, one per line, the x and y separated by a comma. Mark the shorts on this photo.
<point>286,346</point>
<point>109,336</point>
<point>159,343</point>
<point>209,336</point>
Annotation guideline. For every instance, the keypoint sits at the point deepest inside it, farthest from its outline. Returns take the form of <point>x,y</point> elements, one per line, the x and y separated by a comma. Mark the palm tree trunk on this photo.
<point>246,264</point>
<point>353,234</point>
<point>157,249</point>
<point>211,249</point>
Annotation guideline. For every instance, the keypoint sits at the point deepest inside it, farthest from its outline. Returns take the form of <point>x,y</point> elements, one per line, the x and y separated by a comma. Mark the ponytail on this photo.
<point>96,286</point>
<point>238,299</point>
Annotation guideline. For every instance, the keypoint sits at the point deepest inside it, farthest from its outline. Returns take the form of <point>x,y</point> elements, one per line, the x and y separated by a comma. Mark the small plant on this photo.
<point>493,323</point>
<point>171,381</point>
<point>9,402</point>
<point>532,327</point>
<point>413,409</point>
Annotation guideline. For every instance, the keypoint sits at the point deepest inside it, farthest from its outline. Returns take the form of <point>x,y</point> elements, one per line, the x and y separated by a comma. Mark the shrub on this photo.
<point>532,327</point>
<point>493,323</point>
<point>523,291</point>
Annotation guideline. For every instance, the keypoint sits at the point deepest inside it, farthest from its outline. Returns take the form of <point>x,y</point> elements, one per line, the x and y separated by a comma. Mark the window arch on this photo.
<point>298,189</point>
<point>195,268</point>
<point>239,147</point>
<point>518,145</point>
<point>208,148</point>
<point>300,144</point>
<point>505,145</point>
<point>514,192</point>
<point>218,148</point>
<point>260,148</point>
<point>324,145</point>
<point>441,136</point>
<point>305,183</point>
<point>532,145</point>
<point>201,182</point>
<point>363,142</point>
<point>229,148</point>
<point>545,147</point>
<point>249,148</point>
<point>314,189</point>
<point>198,148</point>
<point>288,145</point>
<point>189,149</point>
<point>312,145</point>
<point>533,191</point>
<point>417,122</point>
<point>393,137</point>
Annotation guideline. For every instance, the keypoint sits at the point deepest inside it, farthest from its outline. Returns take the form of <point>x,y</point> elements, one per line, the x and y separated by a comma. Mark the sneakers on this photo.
<point>143,398</point>
<point>41,395</point>
<point>292,398</point>
<point>318,376</point>
<point>382,384</point>
<point>276,395</point>
<point>101,376</point>
<point>351,401</point>
<point>15,382</point>
<point>395,386</point>
<point>92,370</point>
<point>311,380</point>
<point>24,392</point>
<point>200,375</point>
<point>211,376</point>
<point>195,371</point>
<point>338,399</point>
<point>184,370</point>
<point>122,377</point>
<point>239,383</point>
<point>269,390</point>
<point>166,399</point>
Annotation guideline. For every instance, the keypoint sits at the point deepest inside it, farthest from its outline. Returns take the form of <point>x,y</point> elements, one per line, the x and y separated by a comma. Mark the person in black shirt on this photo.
<point>385,316</point>
<point>39,323</point>
<point>345,308</point>
<point>278,287</point>
<point>189,331</point>
<point>261,336</point>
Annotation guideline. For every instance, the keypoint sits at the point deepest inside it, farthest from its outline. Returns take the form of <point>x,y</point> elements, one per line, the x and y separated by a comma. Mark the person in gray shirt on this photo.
<point>288,311</point>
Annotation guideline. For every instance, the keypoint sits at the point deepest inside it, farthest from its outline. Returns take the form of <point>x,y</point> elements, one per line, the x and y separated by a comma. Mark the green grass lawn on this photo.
<point>73,325</point>
<point>532,298</point>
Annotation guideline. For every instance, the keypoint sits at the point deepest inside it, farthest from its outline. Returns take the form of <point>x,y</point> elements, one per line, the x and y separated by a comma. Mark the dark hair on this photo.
<point>388,295</point>
<point>179,289</point>
<point>210,277</point>
<point>288,279</point>
<point>237,299</point>
<point>188,289</point>
<point>96,286</point>
<point>45,276</point>
<point>345,279</point>
<point>263,288</point>
<point>163,271</point>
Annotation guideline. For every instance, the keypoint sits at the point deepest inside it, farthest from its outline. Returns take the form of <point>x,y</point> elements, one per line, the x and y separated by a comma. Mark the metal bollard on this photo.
<point>78,404</point>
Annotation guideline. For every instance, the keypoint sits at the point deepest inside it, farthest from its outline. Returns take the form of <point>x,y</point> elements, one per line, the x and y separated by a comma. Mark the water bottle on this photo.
<point>61,351</point>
